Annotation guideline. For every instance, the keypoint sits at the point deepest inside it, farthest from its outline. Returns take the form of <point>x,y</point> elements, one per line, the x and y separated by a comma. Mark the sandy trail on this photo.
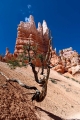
<point>63,96</point>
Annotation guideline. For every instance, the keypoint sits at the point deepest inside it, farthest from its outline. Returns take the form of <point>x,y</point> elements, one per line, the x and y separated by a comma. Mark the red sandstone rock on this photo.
<point>0,58</point>
<point>56,59</point>
<point>28,31</point>
<point>68,60</point>
<point>8,55</point>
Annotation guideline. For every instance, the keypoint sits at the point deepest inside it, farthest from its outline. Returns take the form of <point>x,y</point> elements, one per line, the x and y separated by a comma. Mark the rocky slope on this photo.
<point>15,103</point>
<point>62,100</point>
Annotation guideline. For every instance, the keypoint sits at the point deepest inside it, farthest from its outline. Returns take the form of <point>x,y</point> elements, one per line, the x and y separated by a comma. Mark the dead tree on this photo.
<point>38,96</point>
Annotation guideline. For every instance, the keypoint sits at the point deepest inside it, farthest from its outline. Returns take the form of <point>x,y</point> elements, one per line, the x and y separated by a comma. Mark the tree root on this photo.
<point>37,96</point>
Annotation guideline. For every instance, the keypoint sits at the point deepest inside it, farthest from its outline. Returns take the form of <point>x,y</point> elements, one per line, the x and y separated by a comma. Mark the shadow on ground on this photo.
<point>49,114</point>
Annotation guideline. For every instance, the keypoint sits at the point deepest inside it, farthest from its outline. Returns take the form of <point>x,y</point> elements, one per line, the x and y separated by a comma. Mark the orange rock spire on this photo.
<point>40,35</point>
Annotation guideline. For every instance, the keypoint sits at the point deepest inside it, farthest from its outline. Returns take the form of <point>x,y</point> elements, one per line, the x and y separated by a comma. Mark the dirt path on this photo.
<point>63,96</point>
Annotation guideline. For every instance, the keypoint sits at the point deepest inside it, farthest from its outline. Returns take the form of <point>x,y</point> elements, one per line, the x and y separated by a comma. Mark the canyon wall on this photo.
<point>68,59</point>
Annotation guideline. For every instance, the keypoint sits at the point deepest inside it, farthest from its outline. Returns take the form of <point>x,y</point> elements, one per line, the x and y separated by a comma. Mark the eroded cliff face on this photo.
<point>68,60</point>
<point>72,60</point>
<point>60,67</point>
<point>28,30</point>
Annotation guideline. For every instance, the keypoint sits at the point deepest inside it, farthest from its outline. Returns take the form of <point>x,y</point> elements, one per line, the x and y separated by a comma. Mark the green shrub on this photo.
<point>67,76</point>
<point>53,80</point>
<point>13,63</point>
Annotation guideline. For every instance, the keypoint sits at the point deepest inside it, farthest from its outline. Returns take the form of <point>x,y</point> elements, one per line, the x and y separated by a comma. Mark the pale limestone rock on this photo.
<point>45,28</point>
<point>72,59</point>
<point>67,49</point>
<point>75,69</point>
<point>77,75</point>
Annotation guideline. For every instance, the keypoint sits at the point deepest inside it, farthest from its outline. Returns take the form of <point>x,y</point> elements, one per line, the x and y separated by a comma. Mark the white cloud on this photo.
<point>26,19</point>
<point>29,6</point>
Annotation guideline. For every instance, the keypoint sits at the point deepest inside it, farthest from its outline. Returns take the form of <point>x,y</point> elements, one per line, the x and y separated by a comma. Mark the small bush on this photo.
<point>53,81</point>
<point>73,79</point>
<point>67,76</point>
<point>13,63</point>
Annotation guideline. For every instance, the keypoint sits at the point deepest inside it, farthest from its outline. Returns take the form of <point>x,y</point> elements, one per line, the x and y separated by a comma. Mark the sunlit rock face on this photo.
<point>68,61</point>
<point>27,32</point>
<point>39,36</point>
<point>60,67</point>
<point>72,60</point>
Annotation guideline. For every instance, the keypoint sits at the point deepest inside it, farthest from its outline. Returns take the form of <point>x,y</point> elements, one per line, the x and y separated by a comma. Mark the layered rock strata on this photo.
<point>68,61</point>
<point>57,60</point>
<point>28,30</point>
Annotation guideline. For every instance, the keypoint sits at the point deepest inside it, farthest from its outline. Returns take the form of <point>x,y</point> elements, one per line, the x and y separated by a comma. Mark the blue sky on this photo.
<point>62,17</point>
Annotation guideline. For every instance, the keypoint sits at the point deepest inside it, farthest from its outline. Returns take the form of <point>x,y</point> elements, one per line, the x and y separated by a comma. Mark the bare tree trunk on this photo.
<point>38,96</point>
